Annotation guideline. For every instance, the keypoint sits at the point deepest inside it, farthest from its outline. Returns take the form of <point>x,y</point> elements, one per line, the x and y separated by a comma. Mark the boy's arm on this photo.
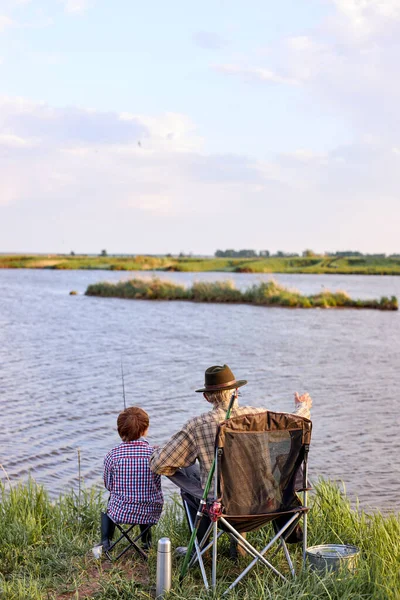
<point>302,405</point>
<point>179,451</point>
<point>108,472</point>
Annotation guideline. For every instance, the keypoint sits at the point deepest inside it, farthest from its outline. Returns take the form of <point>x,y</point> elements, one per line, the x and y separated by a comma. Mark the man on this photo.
<point>195,441</point>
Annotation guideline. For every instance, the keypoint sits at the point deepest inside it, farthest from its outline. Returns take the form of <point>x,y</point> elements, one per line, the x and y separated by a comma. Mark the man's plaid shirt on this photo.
<point>196,440</point>
<point>135,492</point>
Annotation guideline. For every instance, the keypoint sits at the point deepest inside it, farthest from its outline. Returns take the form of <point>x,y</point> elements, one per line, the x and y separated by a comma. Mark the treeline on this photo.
<point>230,253</point>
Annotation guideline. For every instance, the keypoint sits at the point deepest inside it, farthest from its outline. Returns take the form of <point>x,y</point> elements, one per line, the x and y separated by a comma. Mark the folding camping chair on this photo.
<point>257,459</point>
<point>109,525</point>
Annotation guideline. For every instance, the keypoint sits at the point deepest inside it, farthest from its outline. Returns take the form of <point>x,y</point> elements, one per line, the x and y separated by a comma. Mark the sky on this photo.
<point>165,127</point>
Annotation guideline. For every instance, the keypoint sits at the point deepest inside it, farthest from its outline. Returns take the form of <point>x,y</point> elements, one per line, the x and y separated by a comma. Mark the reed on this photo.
<point>45,552</point>
<point>268,293</point>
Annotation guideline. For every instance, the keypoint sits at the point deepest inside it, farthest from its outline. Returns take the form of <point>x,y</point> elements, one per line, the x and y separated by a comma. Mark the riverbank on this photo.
<point>347,265</point>
<point>268,293</point>
<point>45,552</point>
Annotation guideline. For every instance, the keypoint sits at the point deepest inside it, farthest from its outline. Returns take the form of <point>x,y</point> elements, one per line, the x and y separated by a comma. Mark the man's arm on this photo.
<point>302,405</point>
<point>179,451</point>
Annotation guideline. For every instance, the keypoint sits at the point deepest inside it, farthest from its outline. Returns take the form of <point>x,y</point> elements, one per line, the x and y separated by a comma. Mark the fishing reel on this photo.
<point>215,511</point>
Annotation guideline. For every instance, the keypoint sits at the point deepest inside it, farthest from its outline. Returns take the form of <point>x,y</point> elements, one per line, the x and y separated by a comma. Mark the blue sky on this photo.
<point>166,127</point>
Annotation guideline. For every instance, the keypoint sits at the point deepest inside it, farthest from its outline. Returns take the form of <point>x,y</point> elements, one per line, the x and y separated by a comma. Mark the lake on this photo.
<point>61,389</point>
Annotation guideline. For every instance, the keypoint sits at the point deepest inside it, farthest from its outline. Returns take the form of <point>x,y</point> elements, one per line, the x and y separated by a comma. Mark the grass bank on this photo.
<point>45,552</point>
<point>268,293</point>
<point>364,265</point>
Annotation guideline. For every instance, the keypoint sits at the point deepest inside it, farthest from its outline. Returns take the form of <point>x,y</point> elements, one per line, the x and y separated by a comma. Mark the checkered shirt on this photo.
<point>135,492</point>
<point>196,440</point>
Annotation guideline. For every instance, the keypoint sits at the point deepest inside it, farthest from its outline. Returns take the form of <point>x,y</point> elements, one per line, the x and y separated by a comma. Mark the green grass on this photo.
<point>45,552</point>
<point>365,265</point>
<point>268,293</point>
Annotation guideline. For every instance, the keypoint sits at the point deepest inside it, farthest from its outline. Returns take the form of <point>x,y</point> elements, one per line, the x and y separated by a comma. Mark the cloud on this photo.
<point>208,40</point>
<point>82,176</point>
<point>366,18</point>
<point>251,73</point>
<point>63,169</point>
<point>67,126</point>
<point>74,149</point>
<point>346,67</point>
<point>14,141</point>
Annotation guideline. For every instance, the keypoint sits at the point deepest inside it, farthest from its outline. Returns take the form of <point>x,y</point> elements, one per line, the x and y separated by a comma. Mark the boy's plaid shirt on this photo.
<point>135,492</point>
<point>196,440</point>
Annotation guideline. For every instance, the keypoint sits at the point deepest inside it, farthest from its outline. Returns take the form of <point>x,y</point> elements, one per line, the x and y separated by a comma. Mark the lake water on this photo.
<point>60,378</point>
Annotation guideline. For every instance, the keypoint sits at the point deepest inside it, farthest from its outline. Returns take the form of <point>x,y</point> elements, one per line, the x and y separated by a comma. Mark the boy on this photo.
<point>135,492</point>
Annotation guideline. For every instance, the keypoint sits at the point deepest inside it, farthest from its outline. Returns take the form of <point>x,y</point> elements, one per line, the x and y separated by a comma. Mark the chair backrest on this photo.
<point>258,458</point>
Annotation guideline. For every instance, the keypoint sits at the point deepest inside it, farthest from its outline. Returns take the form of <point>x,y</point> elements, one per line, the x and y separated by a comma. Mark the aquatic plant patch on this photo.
<point>269,293</point>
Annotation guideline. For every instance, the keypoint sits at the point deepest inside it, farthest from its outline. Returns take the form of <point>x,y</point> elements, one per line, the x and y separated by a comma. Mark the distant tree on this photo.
<point>247,253</point>
<point>281,254</point>
<point>103,253</point>
<point>230,253</point>
<point>264,253</point>
<point>349,253</point>
<point>308,253</point>
<point>72,253</point>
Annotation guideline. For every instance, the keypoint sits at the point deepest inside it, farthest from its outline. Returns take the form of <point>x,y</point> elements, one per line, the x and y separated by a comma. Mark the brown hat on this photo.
<point>220,378</point>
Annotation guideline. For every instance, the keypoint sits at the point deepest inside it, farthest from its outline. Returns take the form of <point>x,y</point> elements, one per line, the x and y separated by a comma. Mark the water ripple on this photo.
<point>61,389</point>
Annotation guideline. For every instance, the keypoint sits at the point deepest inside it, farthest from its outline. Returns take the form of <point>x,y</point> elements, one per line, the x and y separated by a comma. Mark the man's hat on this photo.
<point>220,378</point>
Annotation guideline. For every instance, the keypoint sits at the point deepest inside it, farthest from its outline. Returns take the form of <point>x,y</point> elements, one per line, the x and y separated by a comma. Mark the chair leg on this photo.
<point>258,555</point>
<point>204,548</point>
<point>305,532</point>
<point>197,547</point>
<point>214,555</point>
<point>287,555</point>
<point>132,544</point>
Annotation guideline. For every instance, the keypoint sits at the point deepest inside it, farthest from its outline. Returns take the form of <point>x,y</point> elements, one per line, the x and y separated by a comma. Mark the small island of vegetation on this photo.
<point>268,293</point>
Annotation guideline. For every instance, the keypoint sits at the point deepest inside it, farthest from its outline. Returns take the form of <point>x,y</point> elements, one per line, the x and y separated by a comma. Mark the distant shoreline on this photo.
<point>317,265</point>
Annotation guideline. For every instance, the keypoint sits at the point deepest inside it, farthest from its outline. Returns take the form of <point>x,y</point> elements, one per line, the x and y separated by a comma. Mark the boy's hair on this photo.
<point>132,423</point>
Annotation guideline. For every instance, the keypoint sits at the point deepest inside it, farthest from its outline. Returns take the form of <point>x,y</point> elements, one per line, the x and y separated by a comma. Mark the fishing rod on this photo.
<point>123,384</point>
<point>203,502</point>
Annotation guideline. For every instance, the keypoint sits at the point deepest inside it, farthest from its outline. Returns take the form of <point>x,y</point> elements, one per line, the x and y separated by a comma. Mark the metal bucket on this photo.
<point>332,557</point>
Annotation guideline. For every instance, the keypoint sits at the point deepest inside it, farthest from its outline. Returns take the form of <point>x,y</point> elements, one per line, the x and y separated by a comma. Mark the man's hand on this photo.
<point>304,400</point>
